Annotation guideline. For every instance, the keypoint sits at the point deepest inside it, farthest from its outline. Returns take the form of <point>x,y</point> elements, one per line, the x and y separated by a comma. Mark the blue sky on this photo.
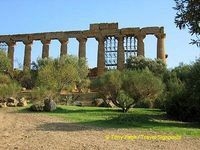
<point>30,16</point>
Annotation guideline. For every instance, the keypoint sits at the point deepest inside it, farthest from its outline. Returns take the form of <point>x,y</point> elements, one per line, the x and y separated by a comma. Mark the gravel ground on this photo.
<point>34,131</point>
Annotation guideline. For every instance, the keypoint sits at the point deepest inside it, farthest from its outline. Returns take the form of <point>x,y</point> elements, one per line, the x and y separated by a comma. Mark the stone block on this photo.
<point>3,104</point>
<point>12,102</point>
<point>94,26</point>
<point>112,25</point>
<point>103,26</point>
<point>22,102</point>
<point>77,103</point>
<point>49,105</point>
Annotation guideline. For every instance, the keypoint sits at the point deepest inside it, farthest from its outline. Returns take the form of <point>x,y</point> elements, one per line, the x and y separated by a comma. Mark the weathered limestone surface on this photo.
<point>82,47</point>
<point>11,48</point>
<point>101,56</point>
<point>45,47</point>
<point>120,56</point>
<point>98,31</point>
<point>63,47</point>
<point>140,37</point>
<point>27,54</point>
<point>161,46</point>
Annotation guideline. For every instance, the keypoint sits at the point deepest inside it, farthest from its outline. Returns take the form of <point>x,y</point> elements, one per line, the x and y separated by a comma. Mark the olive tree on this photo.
<point>61,73</point>
<point>127,88</point>
<point>157,66</point>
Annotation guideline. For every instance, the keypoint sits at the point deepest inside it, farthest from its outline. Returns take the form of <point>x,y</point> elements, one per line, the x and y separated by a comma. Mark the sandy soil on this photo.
<point>33,131</point>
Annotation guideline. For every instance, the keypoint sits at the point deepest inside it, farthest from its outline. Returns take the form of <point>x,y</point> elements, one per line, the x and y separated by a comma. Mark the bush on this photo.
<point>39,94</point>
<point>193,81</point>
<point>5,64</point>
<point>182,107</point>
<point>124,100</point>
<point>184,99</point>
<point>8,87</point>
<point>4,79</point>
<point>9,90</point>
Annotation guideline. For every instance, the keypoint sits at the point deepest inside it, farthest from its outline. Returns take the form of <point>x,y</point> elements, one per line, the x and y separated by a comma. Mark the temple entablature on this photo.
<point>121,43</point>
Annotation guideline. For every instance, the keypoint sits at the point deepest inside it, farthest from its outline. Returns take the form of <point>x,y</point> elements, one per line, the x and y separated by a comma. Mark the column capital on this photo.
<point>28,42</point>
<point>160,35</point>
<point>82,39</point>
<point>140,36</point>
<point>100,38</point>
<point>63,40</point>
<point>46,41</point>
<point>10,42</point>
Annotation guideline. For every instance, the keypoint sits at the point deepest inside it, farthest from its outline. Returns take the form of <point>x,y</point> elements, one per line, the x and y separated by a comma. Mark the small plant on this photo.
<point>8,87</point>
<point>5,64</point>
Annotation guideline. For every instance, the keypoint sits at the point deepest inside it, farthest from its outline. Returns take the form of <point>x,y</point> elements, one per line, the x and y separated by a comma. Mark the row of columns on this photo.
<point>45,50</point>
<point>140,48</point>
<point>82,50</point>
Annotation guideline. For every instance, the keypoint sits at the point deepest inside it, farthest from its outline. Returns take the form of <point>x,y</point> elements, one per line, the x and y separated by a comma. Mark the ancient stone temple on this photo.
<point>114,44</point>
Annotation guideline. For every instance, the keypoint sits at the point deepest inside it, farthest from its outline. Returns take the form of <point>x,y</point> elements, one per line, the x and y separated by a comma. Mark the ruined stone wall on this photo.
<point>98,31</point>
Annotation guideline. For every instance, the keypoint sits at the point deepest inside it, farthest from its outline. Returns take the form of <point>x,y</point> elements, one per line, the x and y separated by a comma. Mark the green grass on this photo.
<point>136,119</point>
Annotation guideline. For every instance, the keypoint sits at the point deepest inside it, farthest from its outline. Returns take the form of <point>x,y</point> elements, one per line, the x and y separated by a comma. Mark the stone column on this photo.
<point>82,47</point>
<point>101,56</point>
<point>120,53</point>
<point>11,48</point>
<point>45,48</point>
<point>140,44</point>
<point>63,47</point>
<point>161,46</point>
<point>27,54</point>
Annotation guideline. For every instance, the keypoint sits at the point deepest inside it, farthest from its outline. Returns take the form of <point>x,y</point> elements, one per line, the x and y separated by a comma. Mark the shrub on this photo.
<point>39,94</point>
<point>9,90</point>
<point>184,102</point>
<point>124,100</point>
<point>4,79</point>
<point>5,64</point>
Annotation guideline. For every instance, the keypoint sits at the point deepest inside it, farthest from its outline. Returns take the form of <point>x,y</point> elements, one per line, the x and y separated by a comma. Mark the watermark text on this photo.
<point>143,137</point>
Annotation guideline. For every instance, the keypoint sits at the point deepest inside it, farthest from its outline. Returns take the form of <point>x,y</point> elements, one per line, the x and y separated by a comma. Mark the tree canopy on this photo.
<point>188,15</point>
<point>57,74</point>
<point>127,88</point>
<point>157,66</point>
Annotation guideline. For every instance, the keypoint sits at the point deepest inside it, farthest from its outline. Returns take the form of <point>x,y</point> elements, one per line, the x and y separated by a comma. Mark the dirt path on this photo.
<point>33,131</point>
